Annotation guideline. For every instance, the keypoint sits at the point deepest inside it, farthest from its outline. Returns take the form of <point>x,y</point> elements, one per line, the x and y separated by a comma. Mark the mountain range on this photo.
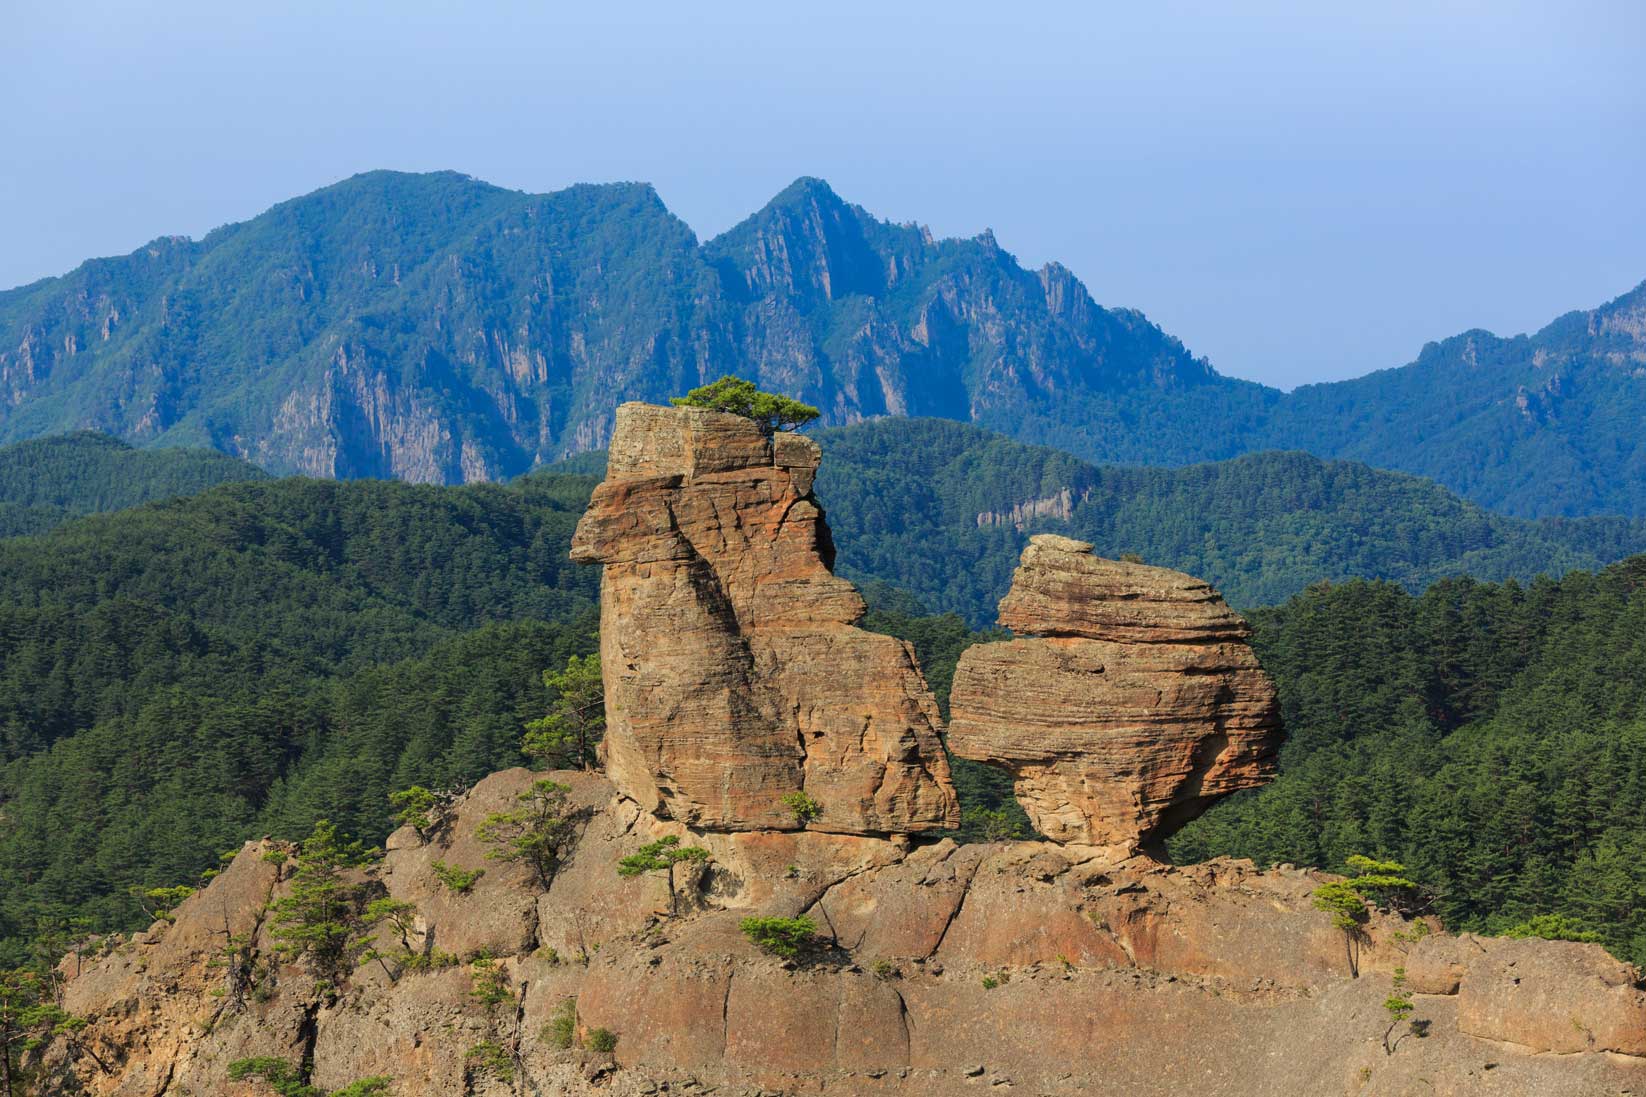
<point>434,328</point>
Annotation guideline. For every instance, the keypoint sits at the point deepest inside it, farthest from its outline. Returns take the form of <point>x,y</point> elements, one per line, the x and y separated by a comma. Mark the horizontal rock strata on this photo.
<point>1133,703</point>
<point>734,675</point>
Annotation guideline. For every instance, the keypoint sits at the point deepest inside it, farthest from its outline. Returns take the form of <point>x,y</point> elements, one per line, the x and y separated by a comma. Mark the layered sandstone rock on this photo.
<point>1130,705</point>
<point>1021,967</point>
<point>734,675</point>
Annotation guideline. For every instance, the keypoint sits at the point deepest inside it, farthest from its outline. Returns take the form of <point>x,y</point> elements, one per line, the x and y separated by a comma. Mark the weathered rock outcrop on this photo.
<point>1024,967</point>
<point>734,675</point>
<point>1132,704</point>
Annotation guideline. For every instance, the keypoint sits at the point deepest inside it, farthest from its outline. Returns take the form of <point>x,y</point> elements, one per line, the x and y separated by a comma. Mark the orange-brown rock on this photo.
<point>1132,704</point>
<point>734,674</point>
<point>1024,966</point>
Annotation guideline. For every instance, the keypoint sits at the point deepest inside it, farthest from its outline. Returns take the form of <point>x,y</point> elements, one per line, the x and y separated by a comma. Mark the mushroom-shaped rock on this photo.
<point>734,675</point>
<point>1132,703</point>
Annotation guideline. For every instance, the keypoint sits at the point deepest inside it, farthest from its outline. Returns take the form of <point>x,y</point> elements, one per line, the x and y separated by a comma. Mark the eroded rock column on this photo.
<point>1130,703</point>
<point>734,676</point>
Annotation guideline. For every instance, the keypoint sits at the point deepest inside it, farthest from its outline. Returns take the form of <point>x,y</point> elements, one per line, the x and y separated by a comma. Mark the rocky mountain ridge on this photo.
<point>1058,967</point>
<point>435,328</point>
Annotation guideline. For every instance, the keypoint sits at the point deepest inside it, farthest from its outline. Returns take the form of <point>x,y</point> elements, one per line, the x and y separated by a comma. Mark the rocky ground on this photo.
<point>1022,967</point>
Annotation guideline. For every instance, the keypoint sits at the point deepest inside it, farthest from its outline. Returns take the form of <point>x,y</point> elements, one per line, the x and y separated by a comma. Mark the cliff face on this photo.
<point>734,675</point>
<point>1132,705</point>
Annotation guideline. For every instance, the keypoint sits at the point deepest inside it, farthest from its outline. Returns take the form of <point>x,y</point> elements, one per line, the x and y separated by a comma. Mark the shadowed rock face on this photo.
<point>734,676</point>
<point>1135,704</point>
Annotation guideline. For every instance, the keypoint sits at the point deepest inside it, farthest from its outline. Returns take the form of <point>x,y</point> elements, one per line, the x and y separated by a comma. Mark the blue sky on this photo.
<point>1299,191</point>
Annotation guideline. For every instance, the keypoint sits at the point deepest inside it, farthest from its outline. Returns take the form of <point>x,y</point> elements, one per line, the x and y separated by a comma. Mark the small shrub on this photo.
<point>416,808</point>
<point>284,1078</point>
<point>783,937</point>
<point>883,969</point>
<point>456,880</point>
<point>804,807</point>
<point>488,983</point>
<point>990,982</point>
<point>561,1031</point>
<point>601,1039</point>
<point>489,1057</point>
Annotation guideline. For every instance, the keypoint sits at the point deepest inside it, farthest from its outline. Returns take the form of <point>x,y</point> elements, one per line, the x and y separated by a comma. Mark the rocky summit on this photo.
<point>734,680</point>
<point>1131,703</point>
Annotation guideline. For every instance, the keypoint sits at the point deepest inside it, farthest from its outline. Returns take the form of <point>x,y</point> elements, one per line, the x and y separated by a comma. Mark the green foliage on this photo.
<point>927,506</point>
<point>322,920</point>
<point>784,937</point>
<point>47,481</point>
<point>456,880</point>
<point>733,394</point>
<point>490,1059</point>
<point>488,983</point>
<point>159,902</point>
<point>416,807</point>
<point>661,856</point>
<point>30,1018</point>
<point>1553,927</point>
<point>990,982</point>
<point>805,808</point>
<point>537,833</point>
<point>561,1030</point>
<point>1491,737</point>
<point>601,1039</point>
<point>576,720</point>
<point>991,824</point>
<point>285,1079</point>
<point>377,1086</point>
<point>1398,1005</point>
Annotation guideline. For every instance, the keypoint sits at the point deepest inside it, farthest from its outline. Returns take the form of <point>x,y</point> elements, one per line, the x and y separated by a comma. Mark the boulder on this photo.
<point>1132,705</point>
<point>734,674</point>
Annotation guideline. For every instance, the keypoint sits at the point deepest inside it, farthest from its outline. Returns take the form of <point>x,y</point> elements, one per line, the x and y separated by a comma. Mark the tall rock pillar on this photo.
<point>734,675</point>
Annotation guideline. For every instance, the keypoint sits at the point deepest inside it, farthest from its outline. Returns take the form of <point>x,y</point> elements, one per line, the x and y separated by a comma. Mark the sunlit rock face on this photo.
<point>734,674</point>
<point>1130,703</point>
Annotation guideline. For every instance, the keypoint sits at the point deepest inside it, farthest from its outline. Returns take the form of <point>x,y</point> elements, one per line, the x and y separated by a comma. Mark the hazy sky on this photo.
<point>1297,191</point>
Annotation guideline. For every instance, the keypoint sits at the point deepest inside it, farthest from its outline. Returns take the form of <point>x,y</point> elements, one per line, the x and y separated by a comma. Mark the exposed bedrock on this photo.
<point>1021,967</point>
<point>734,674</point>
<point>1128,704</point>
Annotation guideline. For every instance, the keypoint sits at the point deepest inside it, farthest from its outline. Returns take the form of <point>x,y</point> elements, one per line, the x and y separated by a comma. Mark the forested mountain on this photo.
<point>1492,737</point>
<point>435,328</point>
<point>45,482</point>
<point>942,510</point>
<point>179,676</point>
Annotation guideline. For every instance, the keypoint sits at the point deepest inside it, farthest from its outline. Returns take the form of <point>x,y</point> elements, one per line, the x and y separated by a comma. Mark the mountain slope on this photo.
<point>45,482</point>
<point>435,328</point>
<point>1550,423</point>
<point>942,510</point>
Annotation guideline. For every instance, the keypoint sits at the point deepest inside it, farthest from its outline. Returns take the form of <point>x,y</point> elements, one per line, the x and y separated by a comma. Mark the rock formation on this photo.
<point>1131,703</point>
<point>734,675</point>
<point>1020,967</point>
